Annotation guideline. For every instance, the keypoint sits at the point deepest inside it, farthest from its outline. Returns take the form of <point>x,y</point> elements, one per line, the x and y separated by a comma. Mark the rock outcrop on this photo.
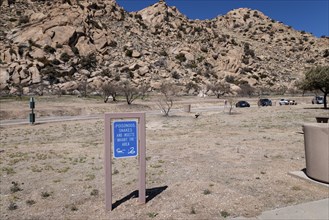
<point>63,44</point>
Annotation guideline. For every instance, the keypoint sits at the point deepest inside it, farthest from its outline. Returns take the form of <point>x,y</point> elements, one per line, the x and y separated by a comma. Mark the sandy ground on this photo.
<point>214,167</point>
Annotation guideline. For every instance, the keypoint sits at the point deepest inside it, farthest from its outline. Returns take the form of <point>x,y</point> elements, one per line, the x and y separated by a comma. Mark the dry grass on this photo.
<point>216,166</point>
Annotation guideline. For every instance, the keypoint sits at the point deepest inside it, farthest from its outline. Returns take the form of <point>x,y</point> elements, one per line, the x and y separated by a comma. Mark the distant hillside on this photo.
<point>57,45</point>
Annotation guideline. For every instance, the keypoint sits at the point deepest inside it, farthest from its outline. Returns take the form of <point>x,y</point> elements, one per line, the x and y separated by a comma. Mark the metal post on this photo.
<point>142,160</point>
<point>32,115</point>
<point>108,164</point>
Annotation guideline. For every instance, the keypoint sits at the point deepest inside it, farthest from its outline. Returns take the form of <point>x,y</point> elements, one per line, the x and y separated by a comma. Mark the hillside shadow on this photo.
<point>150,194</point>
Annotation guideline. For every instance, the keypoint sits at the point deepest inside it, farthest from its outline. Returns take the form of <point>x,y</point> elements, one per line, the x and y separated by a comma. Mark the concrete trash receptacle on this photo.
<point>316,142</point>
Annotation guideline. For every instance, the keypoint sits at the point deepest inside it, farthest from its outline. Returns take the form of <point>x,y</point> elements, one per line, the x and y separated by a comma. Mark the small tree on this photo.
<point>131,93</point>
<point>246,90</point>
<point>219,88</point>
<point>83,87</point>
<point>317,79</point>
<point>231,103</point>
<point>108,90</point>
<point>166,102</point>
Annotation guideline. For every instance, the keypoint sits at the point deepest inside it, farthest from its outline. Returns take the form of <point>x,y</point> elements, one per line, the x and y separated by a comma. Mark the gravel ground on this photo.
<point>215,166</point>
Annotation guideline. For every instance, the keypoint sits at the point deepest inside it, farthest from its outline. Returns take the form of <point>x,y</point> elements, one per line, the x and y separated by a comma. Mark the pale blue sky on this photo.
<point>308,15</point>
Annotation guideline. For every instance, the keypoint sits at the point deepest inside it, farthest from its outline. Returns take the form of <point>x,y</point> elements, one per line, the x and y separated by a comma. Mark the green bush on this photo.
<point>181,57</point>
<point>65,57</point>
<point>49,49</point>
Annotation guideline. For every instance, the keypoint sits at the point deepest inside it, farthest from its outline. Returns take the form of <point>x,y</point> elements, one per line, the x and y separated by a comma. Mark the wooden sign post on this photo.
<point>125,136</point>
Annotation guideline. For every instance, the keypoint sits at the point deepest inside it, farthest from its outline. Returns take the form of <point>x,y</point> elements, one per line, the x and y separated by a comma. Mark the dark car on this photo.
<point>265,102</point>
<point>317,100</point>
<point>242,104</point>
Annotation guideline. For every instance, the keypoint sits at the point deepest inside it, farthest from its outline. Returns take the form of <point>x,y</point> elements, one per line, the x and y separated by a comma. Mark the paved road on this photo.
<point>92,117</point>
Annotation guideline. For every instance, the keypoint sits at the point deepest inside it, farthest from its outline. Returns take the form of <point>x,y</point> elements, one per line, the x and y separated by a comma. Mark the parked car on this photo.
<point>265,102</point>
<point>284,102</point>
<point>317,100</point>
<point>287,102</point>
<point>242,104</point>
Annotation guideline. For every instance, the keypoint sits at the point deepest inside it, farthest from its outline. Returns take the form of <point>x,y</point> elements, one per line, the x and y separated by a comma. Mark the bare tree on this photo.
<point>219,88</point>
<point>143,90</point>
<point>108,90</point>
<point>246,90</point>
<point>19,90</point>
<point>166,102</point>
<point>231,103</point>
<point>83,87</point>
<point>37,89</point>
<point>281,90</point>
<point>131,93</point>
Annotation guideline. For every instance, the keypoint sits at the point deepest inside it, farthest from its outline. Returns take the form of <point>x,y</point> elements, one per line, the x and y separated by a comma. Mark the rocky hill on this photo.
<point>59,45</point>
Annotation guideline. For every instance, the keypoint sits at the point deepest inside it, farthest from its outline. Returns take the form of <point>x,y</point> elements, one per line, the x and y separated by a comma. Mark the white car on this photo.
<point>287,102</point>
<point>284,102</point>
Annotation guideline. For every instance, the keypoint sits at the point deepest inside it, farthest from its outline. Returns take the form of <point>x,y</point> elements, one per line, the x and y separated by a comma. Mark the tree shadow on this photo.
<point>317,108</point>
<point>150,194</point>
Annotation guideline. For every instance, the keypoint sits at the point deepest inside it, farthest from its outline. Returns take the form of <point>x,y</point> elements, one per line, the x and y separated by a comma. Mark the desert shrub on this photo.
<point>246,16</point>
<point>245,70</point>
<point>138,16</point>
<point>108,90</point>
<point>230,79</point>
<point>246,89</point>
<point>21,49</point>
<point>219,88</point>
<point>23,19</point>
<point>245,60</point>
<point>175,75</point>
<point>191,65</point>
<point>129,53</point>
<point>44,60</point>
<point>130,92</point>
<point>168,92</point>
<point>163,53</point>
<point>198,29</point>
<point>130,74</point>
<point>88,62</point>
<point>255,77</point>
<point>15,187</point>
<point>181,57</point>
<point>55,62</point>
<point>30,202</point>
<point>248,51</point>
<point>64,57</point>
<point>49,49</point>
<point>12,206</point>
<point>106,72</point>
<point>12,19</point>
<point>326,53</point>
<point>234,42</point>
<point>84,88</point>
<point>204,49</point>
<point>192,86</point>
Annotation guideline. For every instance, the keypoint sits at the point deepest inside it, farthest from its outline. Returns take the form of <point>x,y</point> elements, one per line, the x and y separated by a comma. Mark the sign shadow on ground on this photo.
<point>150,194</point>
